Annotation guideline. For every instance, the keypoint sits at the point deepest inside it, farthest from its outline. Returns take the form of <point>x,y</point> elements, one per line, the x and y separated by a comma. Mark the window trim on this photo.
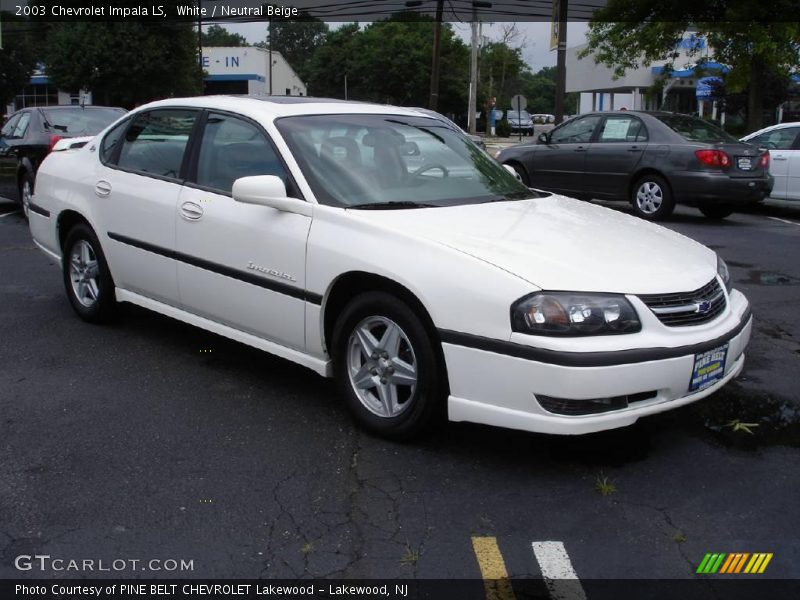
<point>180,180</point>
<point>292,189</point>
<point>595,131</point>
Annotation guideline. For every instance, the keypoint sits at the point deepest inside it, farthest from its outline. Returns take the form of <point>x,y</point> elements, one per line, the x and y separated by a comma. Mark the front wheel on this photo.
<point>386,367</point>
<point>87,280</point>
<point>652,198</point>
<point>716,213</point>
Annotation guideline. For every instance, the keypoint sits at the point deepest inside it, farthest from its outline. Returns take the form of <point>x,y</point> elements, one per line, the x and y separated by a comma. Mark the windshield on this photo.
<point>80,121</point>
<point>513,114</point>
<point>696,130</point>
<point>384,161</point>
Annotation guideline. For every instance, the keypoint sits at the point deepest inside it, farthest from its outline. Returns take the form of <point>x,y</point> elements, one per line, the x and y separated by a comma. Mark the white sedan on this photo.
<point>783,143</point>
<point>380,247</point>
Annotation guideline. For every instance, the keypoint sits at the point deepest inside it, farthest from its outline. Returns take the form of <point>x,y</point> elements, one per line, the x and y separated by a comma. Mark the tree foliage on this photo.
<point>124,63</point>
<point>219,36</point>
<point>389,62</point>
<point>17,59</point>
<point>297,41</point>
<point>748,36</point>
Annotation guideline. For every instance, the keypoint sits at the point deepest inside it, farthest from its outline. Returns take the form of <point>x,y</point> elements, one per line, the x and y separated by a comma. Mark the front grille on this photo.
<point>574,408</point>
<point>687,308</point>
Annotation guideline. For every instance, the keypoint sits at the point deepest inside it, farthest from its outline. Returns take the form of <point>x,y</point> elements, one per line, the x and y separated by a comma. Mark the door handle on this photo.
<point>191,211</point>
<point>102,188</point>
<point>580,149</point>
<point>634,149</point>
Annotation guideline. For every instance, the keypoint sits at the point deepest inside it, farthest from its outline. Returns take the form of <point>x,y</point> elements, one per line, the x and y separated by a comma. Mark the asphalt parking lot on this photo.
<point>149,439</point>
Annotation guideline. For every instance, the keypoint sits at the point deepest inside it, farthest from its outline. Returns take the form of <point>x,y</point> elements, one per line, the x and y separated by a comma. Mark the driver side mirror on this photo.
<point>544,138</point>
<point>268,190</point>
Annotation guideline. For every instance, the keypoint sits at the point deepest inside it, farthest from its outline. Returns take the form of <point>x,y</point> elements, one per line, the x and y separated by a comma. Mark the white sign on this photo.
<point>519,102</point>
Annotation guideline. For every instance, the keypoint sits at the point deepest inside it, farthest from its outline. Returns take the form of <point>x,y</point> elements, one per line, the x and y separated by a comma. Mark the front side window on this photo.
<point>622,129</point>
<point>384,161</point>
<point>232,148</point>
<point>575,132</point>
<point>155,142</point>
<point>111,142</point>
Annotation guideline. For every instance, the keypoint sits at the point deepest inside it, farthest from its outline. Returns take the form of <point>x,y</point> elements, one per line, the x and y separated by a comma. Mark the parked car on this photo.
<point>653,160</point>
<point>478,140</point>
<point>783,143</point>
<point>543,119</point>
<point>520,121</point>
<point>293,225</point>
<point>31,133</point>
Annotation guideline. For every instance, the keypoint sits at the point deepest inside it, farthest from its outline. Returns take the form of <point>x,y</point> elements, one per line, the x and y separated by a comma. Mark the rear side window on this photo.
<point>111,142</point>
<point>232,148</point>
<point>623,129</point>
<point>155,142</point>
<point>777,139</point>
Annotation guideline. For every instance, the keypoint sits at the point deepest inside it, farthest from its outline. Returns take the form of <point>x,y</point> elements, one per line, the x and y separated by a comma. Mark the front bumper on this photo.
<point>499,389</point>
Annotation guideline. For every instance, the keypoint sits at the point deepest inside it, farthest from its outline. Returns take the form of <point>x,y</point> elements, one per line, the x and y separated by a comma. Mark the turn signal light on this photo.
<point>713,158</point>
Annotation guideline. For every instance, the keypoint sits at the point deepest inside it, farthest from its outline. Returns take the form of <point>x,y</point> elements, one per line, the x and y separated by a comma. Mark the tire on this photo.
<point>399,348</point>
<point>716,213</point>
<point>523,174</point>
<point>25,193</point>
<point>87,280</point>
<point>651,198</point>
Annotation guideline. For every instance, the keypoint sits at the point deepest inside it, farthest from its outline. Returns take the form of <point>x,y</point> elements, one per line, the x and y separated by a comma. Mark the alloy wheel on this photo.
<point>84,273</point>
<point>649,197</point>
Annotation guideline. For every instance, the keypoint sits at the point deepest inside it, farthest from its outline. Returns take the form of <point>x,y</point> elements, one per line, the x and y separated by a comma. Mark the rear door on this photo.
<point>560,164</point>
<point>614,155</point>
<point>782,144</point>
<point>793,178</point>
<point>136,193</point>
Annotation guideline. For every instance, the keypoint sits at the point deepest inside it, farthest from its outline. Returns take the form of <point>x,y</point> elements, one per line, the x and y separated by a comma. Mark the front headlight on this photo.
<point>724,273</point>
<point>574,314</point>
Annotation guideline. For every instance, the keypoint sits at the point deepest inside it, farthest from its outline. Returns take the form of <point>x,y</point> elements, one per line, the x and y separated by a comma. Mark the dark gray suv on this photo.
<point>651,159</point>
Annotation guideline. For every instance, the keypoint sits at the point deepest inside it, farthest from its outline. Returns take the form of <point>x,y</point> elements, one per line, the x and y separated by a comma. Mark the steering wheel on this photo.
<point>430,167</point>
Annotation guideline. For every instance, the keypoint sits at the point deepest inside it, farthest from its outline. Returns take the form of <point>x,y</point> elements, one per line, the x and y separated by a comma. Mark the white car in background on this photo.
<point>294,225</point>
<point>783,143</point>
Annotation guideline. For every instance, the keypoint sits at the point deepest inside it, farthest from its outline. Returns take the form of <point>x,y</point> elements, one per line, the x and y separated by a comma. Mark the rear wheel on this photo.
<point>386,367</point>
<point>716,213</point>
<point>652,198</point>
<point>26,193</point>
<point>87,280</point>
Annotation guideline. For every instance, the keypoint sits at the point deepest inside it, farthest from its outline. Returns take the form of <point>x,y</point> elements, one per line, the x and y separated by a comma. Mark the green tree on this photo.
<point>219,36</point>
<point>124,63</point>
<point>332,61</point>
<point>297,41</point>
<point>17,60</point>
<point>502,72</point>
<point>748,36</point>
<point>540,90</point>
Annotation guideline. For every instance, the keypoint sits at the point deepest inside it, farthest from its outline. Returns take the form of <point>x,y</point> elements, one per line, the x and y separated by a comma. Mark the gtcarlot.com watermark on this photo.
<point>47,563</point>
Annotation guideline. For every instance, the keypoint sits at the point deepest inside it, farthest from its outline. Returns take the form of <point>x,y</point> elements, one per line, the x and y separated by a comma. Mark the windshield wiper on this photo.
<point>392,205</point>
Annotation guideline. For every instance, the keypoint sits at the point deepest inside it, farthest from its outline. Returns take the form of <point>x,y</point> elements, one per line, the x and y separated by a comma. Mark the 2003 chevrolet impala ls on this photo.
<point>381,247</point>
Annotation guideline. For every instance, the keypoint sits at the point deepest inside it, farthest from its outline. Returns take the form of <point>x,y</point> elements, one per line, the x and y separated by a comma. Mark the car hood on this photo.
<point>558,243</point>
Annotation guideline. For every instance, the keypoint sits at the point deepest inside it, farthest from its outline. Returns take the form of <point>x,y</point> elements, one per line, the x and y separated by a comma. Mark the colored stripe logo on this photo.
<point>734,563</point>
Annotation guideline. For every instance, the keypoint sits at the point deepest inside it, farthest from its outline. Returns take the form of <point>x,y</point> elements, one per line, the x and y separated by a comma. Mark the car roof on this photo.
<point>272,107</point>
<point>772,128</point>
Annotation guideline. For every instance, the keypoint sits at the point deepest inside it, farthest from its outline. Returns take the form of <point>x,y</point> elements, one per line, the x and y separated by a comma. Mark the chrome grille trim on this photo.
<point>688,308</point>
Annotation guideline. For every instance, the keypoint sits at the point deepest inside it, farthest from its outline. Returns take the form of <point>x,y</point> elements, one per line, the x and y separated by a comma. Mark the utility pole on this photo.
<point>473,76</point>
<point>269,34</point>
<point>561,60</point>
<point>200,44</point>
<point>433,102</point>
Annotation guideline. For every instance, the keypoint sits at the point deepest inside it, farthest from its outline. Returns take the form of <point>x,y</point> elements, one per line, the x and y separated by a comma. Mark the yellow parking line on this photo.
<point>493,569</point>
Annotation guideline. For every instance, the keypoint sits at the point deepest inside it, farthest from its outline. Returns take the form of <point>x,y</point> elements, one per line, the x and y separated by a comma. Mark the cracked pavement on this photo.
<point>133,441</point>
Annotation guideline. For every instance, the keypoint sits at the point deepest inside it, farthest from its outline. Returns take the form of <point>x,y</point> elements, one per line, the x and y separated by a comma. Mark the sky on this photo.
<point>534,39</point>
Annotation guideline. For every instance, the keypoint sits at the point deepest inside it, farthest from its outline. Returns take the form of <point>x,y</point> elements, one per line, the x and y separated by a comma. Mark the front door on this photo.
<point>559,165</point>
<point>239,264</point>
<point>613,156</point>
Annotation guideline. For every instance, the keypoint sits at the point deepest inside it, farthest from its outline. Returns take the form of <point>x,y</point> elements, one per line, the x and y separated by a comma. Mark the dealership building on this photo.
<point>229,70</point>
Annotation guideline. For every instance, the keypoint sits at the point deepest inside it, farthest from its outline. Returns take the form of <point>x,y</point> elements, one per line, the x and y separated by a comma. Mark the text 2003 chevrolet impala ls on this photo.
<point>380,247</point>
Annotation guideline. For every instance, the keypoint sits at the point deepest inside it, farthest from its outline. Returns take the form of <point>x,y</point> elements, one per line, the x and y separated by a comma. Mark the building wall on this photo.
<point>251,64</point>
